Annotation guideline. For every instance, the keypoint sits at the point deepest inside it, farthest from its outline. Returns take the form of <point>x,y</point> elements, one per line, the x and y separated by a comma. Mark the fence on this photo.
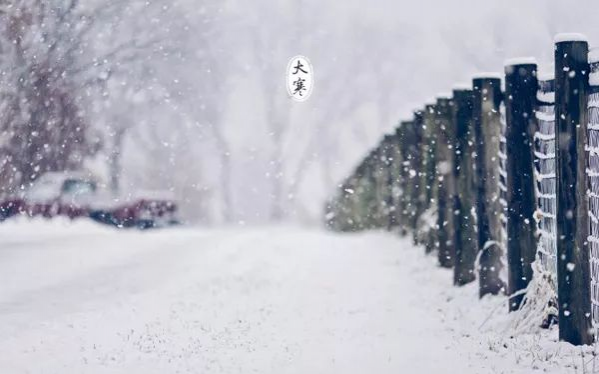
<point>593,177</point>
<point>544,151</point>
<point>502,184</point>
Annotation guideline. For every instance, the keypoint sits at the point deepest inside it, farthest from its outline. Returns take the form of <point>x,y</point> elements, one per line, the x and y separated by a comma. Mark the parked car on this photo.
<point>61,194</point>
<point>141,210</point>
<point>75,195</point>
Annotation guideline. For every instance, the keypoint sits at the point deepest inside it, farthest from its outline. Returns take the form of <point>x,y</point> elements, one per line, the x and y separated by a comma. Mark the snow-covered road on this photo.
<point>86,299</point>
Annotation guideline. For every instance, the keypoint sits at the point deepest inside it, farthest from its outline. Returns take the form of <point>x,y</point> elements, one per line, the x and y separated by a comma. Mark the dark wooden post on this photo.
<point>403,134</point>
<point>384,183</point>
<point>520,104</point>
<point>346,217</point>
<point>412,139</point>
<point>360,213</point>
<point>465,239</point>
<point>571,93</point>
<point>393,165</point>
<point>445,181</point>
<point>423,151</point>
<point>350,195</point>
<point>388,163</point>
<point>420,186</point>
<point>367,209</point>
<point>373,207</point>
<point>487,126</point>
<point>380,185</point>
<point>429,180</point>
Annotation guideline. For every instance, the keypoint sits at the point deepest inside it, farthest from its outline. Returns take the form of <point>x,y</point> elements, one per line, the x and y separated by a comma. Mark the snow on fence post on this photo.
<point>573,272</point>
<point>464,199</point>
<point>445,182</point>
<point>487,127</point>
<point>520,104</point>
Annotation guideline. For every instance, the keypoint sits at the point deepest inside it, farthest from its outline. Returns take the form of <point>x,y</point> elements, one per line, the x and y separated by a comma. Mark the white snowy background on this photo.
<point>198,87</point>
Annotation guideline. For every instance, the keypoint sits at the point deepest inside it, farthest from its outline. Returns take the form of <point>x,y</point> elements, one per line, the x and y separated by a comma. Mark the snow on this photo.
<point>520,61</point>
<point>569,37</point>
<point>488,75</point>
<point>445,95</point>
<point>81,298</point>
<point>462,86</point>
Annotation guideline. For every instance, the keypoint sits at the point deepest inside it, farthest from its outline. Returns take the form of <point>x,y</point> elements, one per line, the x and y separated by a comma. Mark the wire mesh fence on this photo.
<point>544,152</point>
<point>593,192</point>
<point>502,184</point>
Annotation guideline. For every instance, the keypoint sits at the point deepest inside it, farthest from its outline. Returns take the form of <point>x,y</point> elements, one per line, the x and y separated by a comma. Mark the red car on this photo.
<point>74,195</point>
<point>142,212</point>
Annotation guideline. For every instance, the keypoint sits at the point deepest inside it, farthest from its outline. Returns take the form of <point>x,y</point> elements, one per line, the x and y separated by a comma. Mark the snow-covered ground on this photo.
<point>80,298</point>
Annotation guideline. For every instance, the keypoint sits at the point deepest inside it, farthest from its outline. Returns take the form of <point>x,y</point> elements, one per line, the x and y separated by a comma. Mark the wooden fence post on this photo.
<point>414,156</point>
<point>445,181</point>
<point>376,204</point>
<point>356,197</point>
<point>368,186</point>
<point>420,186</point>
<point>465,239</point>
<point>571,93</point>
<point>388,163</point>
<point>402,177</point>
<point>428,180</point>
<point>487,126</point>
<point>520,104</point>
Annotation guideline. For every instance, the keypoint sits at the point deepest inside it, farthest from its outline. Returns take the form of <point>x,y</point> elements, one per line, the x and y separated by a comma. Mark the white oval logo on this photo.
<point>300,78</point>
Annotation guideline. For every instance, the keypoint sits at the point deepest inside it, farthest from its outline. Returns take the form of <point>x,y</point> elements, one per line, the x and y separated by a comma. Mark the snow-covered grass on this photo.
<point>81,298</point>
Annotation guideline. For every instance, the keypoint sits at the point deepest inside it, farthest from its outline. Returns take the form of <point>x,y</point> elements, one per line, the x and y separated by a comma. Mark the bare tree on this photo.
<point>42,120</point>
<point>58,58</point>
